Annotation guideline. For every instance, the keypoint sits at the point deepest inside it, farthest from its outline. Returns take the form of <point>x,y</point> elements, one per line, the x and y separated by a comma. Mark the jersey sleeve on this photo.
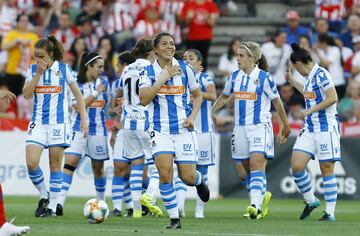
<point>270,88</point>
<point>144,79</point>
<point>207,80</point>
<point>324,79</point>
<point>29,75</point>
<point>228,89</point>
<point>70,77</point>
<point>193,83</point>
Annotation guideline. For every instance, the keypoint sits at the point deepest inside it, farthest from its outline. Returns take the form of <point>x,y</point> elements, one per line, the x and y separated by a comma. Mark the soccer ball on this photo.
<point>96,211</point>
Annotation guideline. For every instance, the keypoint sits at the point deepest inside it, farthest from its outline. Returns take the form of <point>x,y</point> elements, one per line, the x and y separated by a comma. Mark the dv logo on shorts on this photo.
<point>56,132</point>
<point>187,147</point>
<point>204,154</point>
<point>100,148</point>
<point>323,147</point>
<point>257,140</point>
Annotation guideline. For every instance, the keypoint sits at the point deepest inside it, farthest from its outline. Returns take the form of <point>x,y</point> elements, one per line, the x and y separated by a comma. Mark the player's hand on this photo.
<point>173,70</point>
<point>100,88</point>
<point>189,123</point>
<point>288,75</point>
<point>199,68</point>
<point>284,134</point>
<point>41,67</point>
<point>304,114</point>
<point>7,96</point>
<point>112,139</point>
<point>84,127</point>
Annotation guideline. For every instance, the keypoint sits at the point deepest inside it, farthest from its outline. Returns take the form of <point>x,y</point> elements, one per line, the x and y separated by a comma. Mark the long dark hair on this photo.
<point>75,53</point>
<point>230,54</point>
<point>52,46</point>
<point>142,48</point>
<point>299,54</point>
<point>158,37</point>
<point>87,59</point>
<point>108,63</point>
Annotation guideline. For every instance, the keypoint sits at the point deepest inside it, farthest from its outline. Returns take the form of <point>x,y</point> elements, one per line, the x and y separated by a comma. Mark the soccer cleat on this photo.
<point>145,200</point>
<point>48,213</point>
<point>59,210</point>
<point>254,213</point>
<point>116,212</point>
<point>327,217</point>
<point>309,207</point>
<point>145,210</point>
<point>246,216</point>
<point>137,214</point>
<point>265,204</point>
<point>8,229</point>
<point>42,207</point>
<point>174,224</point>
<point>203,191</point>
<point>129,212</point>
<point>199,214</point>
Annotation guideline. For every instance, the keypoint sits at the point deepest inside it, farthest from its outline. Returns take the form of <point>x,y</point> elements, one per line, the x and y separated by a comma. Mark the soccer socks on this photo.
<point>117,190</point>
<point>127,194</point>
<point>180,188</point>
<point>37,178</point>
<point>303,181</point>
<point>66,183</point>
<point>256,187</point>
<point>264,189</point>
<point>100,185</point>
<point>2,209</point>
<point>153,183</point>
<point>199,210</point>
<point>168,196</point>
<point>55,189</point>
<point>198,178</point>
<point>136,181</point>
<point>330,193</point>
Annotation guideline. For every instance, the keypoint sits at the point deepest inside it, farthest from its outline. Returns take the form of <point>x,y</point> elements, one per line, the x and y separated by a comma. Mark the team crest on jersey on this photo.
<point>57,73</point>
<point>309,95</point>
<point>257,81</point>
<point>252,96</point>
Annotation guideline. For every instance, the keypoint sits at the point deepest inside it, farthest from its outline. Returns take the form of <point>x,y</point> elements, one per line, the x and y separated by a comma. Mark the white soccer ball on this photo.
<point>96,211</point>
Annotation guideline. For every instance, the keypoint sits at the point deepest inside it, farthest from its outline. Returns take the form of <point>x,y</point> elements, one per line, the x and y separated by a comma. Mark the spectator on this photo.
<point>149,26</point>
<point>332,11</point>
<point>349,106</point>
<point>330,58</point>
<point>66,33</point>
<point>293,29</point>
<point>19,43</point>
<point>92,10</point>
<point>286,93</point>
<point>106,50</point>
<point>353,29</point>
<point>295,106</point>
<point>77,48</point>
<point>228,62</point>
<point>225,5</point>
<point>7,110</point>
<point>8,13</point>
<point>347,55</point>
<point>355,63</point>
<point>277,53</point>
<point>322,27</point>
<point>89,32</point>
<point>24,107</point>
<point>200,17</point>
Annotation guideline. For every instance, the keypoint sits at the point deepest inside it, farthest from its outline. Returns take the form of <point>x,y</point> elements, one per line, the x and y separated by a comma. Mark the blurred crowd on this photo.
<point>113,26</point>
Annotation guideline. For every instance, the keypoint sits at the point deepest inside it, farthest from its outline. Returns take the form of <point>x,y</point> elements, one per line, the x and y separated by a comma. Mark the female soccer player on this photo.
<point>96,92</point>
<point>320,135</point>
<point>203,122</point>
<point>47,81</point>
<point>166,86</point>
<point>253,91</point>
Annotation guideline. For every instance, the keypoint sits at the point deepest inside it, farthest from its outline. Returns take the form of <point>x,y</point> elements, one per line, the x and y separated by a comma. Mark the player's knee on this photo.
<point>32,165</point>
<point>120,170</point>
<point>69,169</point>
<point>327,168</point>
<point>165,176</point>
<point>188,179</point>
<point>297,167</point>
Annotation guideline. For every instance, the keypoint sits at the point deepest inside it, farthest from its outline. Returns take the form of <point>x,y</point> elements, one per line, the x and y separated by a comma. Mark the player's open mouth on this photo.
<point>169,52</point>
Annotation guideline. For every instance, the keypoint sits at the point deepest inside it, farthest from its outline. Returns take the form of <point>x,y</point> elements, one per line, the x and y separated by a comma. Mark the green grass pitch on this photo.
<point>223,218</point>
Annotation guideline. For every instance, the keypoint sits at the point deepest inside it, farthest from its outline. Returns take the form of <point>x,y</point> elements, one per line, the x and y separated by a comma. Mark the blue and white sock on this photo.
<point>256,187</point>
<point>168,196</point>
<point>100,186</point>
<point>204,173</point>
<point>330,193</point>
<point>198,178</point>
<point>181,189</point>
<point>117,190</point>
<point>66,183</point>
<point>37,178</point>
<point>264,189</point>
<point>303,181</point>
<point>248,184</point>
<point>55,189</point>
<point>136,181</point>
<point>153,183</point>
<point>127,194</point>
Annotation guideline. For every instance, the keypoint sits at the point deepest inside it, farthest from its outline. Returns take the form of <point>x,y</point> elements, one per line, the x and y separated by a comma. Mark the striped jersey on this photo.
<point>50,95</point>
<point>171,106</point>
<point>203,121</point>
<point>316,83</point>
<point>96,110</point>
<point>252,96</point>
<point>135,116</point>
<point>114,88</point>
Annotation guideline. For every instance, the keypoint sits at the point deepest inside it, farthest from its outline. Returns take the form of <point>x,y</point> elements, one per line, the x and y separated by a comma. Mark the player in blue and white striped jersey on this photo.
<point>166,87</point>
<point>47,82</point>
<point>320,135</point>
<point>96,91</point>
<point>203,123</point>
<point>253,90</point>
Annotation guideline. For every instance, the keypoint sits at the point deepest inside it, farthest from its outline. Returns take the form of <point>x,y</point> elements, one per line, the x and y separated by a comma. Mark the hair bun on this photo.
<point>295,47</point>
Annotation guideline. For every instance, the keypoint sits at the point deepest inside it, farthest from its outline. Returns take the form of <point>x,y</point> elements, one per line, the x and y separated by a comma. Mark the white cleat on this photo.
<point>9,229</point>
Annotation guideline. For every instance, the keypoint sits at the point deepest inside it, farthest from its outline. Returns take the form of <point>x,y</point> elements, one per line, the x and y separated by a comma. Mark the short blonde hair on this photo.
<point>253,50</point>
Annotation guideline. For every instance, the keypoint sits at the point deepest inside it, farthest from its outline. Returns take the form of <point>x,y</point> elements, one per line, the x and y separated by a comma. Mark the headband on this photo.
<point>92,59</point>
<point>248,49</point>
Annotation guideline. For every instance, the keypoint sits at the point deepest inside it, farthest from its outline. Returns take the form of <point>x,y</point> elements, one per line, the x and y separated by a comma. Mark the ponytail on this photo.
<point>262,63</point>
<point>52,46</point>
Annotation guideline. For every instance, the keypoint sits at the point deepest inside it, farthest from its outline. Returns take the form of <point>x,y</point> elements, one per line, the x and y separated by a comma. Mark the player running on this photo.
<point>203,122</point>
<point>166,86</point>
<point>253,90</point>
<point>47,82</point>
<point>320,135</point>
<point>96,91</point>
